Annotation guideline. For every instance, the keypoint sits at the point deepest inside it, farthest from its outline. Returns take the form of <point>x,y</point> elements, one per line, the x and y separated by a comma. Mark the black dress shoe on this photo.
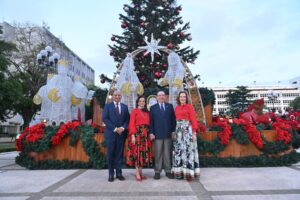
<point>121,178</point>
<point>156,176</point>
<point>170,176</point>
<point>110,179</point>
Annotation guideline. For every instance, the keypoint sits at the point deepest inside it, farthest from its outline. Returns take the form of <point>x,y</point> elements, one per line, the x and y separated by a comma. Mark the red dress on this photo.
<point>187,112</point>
<point>140,153</point>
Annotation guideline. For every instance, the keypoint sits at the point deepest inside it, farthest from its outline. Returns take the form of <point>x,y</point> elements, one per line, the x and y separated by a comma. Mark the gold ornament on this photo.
<point>140,89</point>
<point>126,88</point>
<point>37,99</point>
<point>75,101</point>
<point>52,95</point>
<point>177,83</point>
<point>164,82</point>
<point>88,102</point>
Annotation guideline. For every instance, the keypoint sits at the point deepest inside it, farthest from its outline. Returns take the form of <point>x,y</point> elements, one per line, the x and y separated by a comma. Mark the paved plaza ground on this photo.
<point>272,183</point>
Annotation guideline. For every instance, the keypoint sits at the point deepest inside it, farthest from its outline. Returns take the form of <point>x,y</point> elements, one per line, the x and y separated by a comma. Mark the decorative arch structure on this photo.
<point>191,86</point>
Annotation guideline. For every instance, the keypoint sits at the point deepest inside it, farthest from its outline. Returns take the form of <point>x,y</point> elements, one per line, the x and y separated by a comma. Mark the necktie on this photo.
<point>162,107</point>
<point>117,109</point>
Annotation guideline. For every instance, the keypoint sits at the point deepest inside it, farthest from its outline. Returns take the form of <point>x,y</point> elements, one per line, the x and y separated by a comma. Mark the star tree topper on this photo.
<point>152,47</point>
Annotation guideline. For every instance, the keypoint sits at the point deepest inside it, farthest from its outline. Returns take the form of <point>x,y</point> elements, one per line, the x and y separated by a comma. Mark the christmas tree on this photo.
<point>143,18</point>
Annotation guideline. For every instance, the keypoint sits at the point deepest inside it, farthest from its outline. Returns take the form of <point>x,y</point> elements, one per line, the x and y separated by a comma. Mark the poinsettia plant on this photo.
<point>63,130</point>
<point>31,134</point>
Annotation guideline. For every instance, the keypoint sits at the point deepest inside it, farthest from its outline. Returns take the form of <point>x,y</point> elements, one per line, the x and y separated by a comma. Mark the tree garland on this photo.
<point>244,132</point>
<point>91,148</point>
<point>240,130</point>
<point>250,161</point>
<point>51,136</point>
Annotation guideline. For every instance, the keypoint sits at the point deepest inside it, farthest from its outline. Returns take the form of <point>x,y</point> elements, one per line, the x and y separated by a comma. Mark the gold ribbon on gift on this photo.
<point>177,83</point>
<point>52,95</point>
<point>140,89</point>
<point>164,82</point>
<point>37,99</point>
<point>126,88</point>
<point>75,101</point>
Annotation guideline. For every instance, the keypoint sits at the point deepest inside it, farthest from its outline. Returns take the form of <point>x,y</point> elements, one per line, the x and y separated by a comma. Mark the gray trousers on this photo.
<point>162,154</point>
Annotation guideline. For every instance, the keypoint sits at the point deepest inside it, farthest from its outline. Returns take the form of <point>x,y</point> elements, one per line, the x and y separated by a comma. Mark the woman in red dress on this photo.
<point>185,162</point>
<point>139,152</point>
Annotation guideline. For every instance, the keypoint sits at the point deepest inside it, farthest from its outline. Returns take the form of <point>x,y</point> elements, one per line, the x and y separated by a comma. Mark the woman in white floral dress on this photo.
<point>185,163</point>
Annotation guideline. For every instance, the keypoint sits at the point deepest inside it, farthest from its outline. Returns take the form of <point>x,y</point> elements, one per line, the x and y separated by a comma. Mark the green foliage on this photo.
<point>7,149</point>
<point>261,127</point>
<point>75,136</point>
<point>239,134</point>
<point>10,88</point>
<point>251,161</point>
<point>25,70</point>
<point>295,104</point>
<point>207,96</point>
<point>85,133</point>
<point>100,95</point>
<point>143,18</point>
<point>43,144</point>
<point>26,161</point>
<point>238,100</point>
<point>91,147</point>
<point>295,139</point>
<point>213,147</point>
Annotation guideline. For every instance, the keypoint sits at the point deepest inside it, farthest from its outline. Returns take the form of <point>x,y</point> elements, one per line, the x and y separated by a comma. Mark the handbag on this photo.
<point>174,136</point>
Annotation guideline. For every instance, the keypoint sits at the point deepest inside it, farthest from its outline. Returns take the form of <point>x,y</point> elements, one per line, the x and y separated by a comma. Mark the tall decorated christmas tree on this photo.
<point>142,19</point>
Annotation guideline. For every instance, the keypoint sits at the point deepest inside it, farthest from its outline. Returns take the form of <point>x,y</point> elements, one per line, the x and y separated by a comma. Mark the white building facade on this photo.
<point>78,67</point>
<point>285,95</point>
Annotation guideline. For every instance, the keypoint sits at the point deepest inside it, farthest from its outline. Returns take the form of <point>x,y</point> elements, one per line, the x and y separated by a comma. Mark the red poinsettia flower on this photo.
<point>63,131</point>
<point>226,132</point>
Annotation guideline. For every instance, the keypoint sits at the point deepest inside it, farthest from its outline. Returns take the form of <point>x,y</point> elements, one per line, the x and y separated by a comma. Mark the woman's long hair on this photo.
<point>137,103</point>
<point>187,98</point>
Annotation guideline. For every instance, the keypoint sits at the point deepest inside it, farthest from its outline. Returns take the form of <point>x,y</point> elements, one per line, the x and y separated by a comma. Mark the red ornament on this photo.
<point>113,38</point>
<point>142,24</point>
<point>170,46</point>
<point>123,25</point>
<point>165,66</point>
<point>181,34</point>
<point>142,78</point>
<point>157,74</point>
<point>102,81</point>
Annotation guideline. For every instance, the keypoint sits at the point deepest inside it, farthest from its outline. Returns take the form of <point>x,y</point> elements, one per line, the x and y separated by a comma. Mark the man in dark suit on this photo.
<point>162,124</point>
<point>116,118</point>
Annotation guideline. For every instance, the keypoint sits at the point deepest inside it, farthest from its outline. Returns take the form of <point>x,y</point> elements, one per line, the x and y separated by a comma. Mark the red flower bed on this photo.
<point>283,130</point>
<point>253,134</point>
<point>226,133</point>
<point>63,130</point>
<point>31,134</point>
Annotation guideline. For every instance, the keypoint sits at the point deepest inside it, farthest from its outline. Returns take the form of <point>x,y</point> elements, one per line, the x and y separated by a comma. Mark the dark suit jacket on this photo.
<point>112,121</point>
<point>162,124</point>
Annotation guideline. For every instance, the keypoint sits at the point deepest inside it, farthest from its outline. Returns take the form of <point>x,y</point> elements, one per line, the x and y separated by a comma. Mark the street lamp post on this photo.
<point>48,59</point>
<point>272,96</point>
